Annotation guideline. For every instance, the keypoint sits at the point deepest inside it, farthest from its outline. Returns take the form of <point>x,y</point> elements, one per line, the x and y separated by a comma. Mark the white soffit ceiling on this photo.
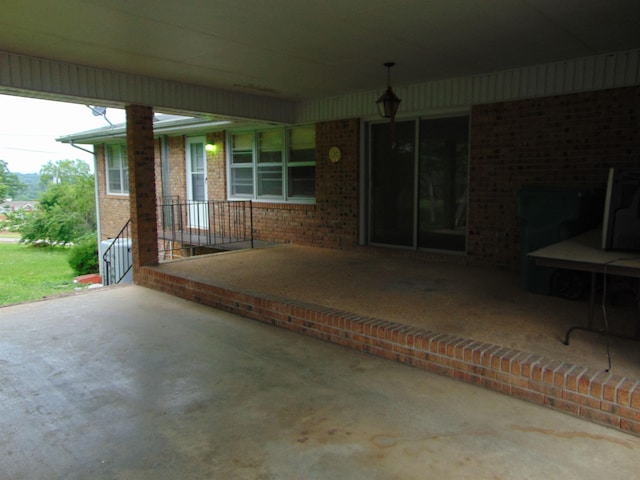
<point>297,49</point>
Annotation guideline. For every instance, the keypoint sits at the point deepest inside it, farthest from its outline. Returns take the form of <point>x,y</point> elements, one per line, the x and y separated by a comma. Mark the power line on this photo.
<point>48,135</point>
<point>31,150</point>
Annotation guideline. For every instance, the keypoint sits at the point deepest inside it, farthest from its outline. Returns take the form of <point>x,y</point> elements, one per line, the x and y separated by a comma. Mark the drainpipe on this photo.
<point>97,199</point>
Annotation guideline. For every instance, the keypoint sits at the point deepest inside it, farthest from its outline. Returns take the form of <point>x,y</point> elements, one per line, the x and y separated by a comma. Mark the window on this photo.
<point>117,169</point>
<point>270,163</point>
<point>275,164</point>
<point>301,169</point>
<point>242,165</point>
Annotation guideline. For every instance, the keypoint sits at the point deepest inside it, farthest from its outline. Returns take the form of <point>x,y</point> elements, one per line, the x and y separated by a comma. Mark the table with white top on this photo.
<point>584,253</point>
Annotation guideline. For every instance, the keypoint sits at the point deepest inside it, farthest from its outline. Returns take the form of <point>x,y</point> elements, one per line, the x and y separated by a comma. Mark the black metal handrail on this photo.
<point>117,258</point>
<point>212,223</point>
<point>218,224</point>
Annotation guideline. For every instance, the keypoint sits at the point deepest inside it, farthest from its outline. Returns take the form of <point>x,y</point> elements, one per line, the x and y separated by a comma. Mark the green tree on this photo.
<point>66,210</point>
<point>63,172</point>
<point>10,184</point>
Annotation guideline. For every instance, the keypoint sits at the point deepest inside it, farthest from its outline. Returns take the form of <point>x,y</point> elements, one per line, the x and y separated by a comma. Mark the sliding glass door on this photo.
<point>419,183</point>
<point>442,183</point>
<point>393,184</point>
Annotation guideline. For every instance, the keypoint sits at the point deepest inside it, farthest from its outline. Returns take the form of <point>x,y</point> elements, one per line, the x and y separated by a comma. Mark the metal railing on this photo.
<point>212,223</point>
<point>218,224</point>
<point>117,258</point>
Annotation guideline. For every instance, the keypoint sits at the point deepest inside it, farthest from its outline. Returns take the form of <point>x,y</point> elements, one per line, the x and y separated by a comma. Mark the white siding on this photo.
<point>49,79</point>
<point>43,78</point>
<point>572,76</point>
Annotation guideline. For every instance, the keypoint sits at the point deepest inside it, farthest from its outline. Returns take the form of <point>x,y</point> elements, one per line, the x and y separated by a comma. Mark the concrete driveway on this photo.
<point>129,383</point>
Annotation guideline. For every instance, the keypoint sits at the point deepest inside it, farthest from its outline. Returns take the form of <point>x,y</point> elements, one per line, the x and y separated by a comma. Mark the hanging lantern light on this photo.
<point>388,103</point>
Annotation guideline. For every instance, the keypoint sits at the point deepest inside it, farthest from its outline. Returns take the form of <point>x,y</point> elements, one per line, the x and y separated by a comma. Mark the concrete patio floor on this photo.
<point>130,383</point>
<point>484,304</point>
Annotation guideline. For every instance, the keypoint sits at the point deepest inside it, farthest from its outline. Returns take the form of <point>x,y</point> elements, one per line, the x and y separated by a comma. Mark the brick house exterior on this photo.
<point>512,144</point>
<point>562,141</point>
<point>331,222</point>
<point>549,97</point>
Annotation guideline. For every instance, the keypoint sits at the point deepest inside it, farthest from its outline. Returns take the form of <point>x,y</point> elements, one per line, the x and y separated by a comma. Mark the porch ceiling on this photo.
<point>296,50</point>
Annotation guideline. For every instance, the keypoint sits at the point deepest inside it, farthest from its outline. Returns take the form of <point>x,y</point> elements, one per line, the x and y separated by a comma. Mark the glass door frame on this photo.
<point>369,183</point>
<point>198,213</point>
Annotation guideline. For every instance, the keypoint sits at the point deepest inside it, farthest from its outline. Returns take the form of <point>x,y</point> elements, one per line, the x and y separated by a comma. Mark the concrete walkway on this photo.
<point>128,383</point>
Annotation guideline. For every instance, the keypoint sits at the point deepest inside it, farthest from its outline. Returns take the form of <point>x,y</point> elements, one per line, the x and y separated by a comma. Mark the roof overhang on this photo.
<point>267,62</point>
<point>162,125</point>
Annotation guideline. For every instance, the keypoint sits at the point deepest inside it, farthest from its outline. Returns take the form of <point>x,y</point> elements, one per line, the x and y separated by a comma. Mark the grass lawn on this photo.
<point>30,273</point>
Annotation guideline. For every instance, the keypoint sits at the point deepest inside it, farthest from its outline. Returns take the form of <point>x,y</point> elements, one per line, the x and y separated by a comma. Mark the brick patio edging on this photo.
<point>594,395</point>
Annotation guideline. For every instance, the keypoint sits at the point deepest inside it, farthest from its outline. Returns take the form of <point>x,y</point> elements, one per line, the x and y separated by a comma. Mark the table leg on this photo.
<point>592,301</point>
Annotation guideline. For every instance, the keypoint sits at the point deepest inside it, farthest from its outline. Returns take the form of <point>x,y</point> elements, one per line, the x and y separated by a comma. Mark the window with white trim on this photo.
<point>274,164</point>
<point>117,169</point>
<point>301,167</point>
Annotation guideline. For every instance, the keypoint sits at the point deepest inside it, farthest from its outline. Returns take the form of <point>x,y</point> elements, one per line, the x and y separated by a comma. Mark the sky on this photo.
<point>29,128</point>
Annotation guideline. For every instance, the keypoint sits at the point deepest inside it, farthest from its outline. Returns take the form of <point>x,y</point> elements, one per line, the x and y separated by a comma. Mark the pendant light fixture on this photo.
<point>388,103</point>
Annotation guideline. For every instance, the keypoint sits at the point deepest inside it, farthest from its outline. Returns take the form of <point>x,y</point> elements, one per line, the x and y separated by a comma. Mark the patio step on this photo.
<point>594,395</point>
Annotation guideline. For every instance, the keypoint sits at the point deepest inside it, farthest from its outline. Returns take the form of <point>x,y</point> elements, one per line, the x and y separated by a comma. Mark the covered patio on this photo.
<point>533,113</point>
<point>126,382</point>
<point>472,323</point>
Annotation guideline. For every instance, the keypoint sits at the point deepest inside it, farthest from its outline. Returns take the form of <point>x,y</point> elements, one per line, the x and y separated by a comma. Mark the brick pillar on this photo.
<point>142,186</point>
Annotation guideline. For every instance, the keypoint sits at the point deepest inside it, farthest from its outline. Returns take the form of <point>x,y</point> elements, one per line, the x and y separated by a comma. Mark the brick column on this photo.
<point>142,186</point>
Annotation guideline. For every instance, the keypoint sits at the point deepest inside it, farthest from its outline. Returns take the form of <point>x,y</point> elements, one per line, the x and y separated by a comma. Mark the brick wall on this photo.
<point>337,184</point>
<point>216,167</point>
<point>568,141</point>
<point>565,141</point>
<point>594,395</point>
<point>176,183</point>
<point>177,167</point>
<point>333,220</point>
<point>141,153</point>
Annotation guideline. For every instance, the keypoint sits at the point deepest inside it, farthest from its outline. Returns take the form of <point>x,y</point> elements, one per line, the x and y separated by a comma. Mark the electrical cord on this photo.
<point>604,314</point>
<point>604,306</point>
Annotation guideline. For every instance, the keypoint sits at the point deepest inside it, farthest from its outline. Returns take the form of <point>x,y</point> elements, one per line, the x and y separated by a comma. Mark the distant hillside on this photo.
<point>33,190</point>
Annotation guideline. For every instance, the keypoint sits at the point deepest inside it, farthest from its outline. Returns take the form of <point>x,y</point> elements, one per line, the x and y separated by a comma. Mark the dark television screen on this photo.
<point>621,221</point>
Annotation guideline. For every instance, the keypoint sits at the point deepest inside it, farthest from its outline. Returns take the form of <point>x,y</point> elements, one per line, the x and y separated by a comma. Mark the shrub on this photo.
<point>83,256</point>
